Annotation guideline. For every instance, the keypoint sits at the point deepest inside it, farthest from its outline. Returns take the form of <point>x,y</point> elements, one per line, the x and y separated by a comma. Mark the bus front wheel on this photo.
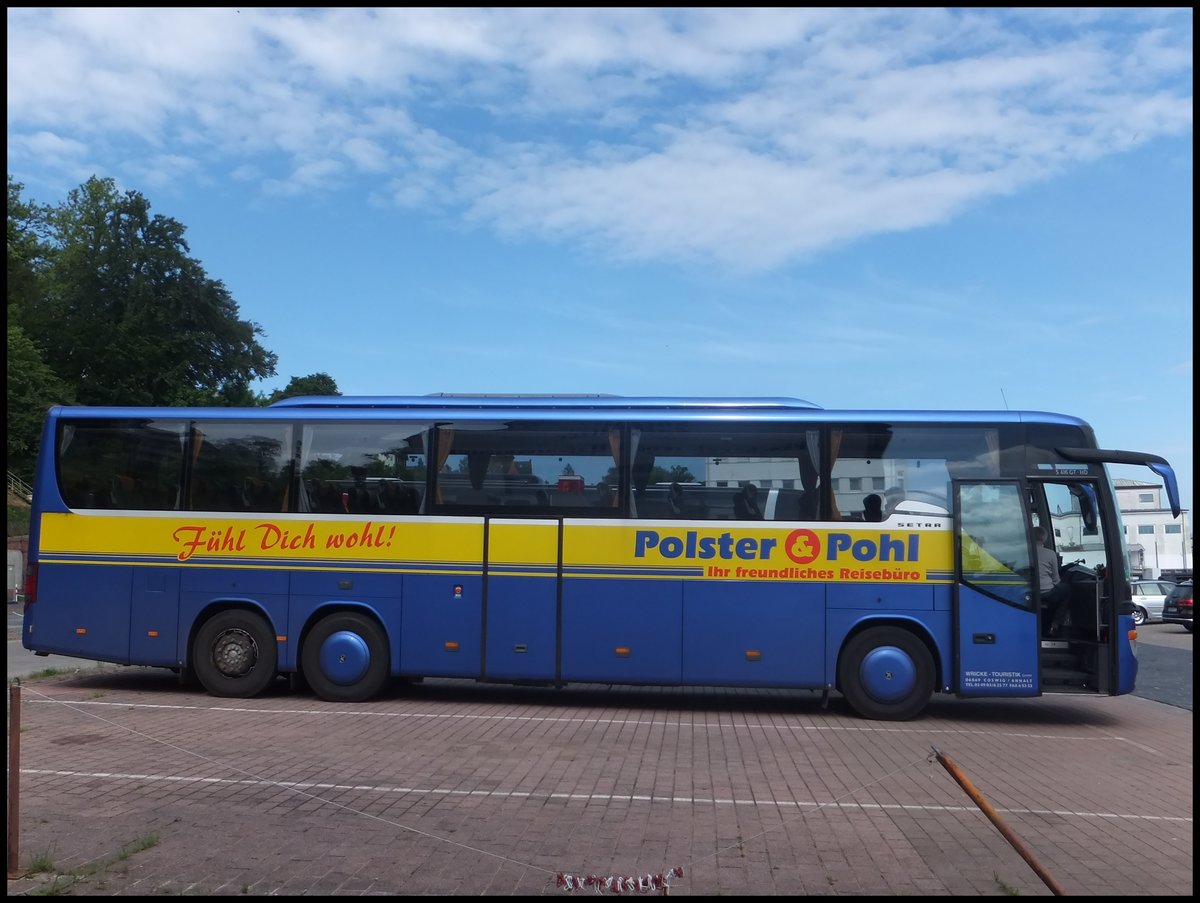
<point>234,654</point>
<point>886,674</point>
<point>345,658</point>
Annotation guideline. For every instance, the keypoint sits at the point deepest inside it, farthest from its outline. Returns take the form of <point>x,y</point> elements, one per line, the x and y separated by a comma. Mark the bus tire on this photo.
<point>234,654</point>
<point>886,674</point>
<point>346,657</point>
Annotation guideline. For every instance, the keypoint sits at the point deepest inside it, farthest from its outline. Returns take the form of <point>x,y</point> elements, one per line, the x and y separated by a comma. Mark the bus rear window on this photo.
<point>134,464</point>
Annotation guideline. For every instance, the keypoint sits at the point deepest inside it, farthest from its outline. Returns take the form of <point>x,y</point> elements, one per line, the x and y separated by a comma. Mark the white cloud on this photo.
<point>743,137</point>
<point>47,145</point>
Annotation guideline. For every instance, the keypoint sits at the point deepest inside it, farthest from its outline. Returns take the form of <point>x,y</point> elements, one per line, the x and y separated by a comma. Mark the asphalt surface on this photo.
<point>130,784</point>
<point>1165,664</point>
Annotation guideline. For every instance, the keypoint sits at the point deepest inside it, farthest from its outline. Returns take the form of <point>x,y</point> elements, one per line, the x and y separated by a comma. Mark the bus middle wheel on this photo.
<point>346,658</point>
<point>886,674</point>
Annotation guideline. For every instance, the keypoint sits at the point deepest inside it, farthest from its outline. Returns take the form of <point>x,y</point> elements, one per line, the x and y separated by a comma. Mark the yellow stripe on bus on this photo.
<point>825,552</point>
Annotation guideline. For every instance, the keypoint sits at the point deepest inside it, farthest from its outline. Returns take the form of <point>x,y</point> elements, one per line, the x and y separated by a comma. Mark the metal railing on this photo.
<point>19,487</point>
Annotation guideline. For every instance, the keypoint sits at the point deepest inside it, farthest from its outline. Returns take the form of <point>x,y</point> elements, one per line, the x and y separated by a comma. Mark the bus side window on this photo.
<point>745,503</point>
<point>796,504</point>
<point>397,498</point>
<point>141,494</point>
<point>260,495</point>
<point>605,496</point>
<point>323,497</point>
<point>120,492</point>
<point>78,492</point>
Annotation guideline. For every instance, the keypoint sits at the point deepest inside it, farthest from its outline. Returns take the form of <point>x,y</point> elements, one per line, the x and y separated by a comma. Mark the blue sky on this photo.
<point>922,208</point>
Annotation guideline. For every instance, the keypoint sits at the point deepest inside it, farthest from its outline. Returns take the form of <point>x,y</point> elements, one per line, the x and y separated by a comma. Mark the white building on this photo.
<point>1159,544</point>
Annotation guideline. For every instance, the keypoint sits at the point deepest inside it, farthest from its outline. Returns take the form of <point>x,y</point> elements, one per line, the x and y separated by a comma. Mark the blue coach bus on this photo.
<point>345,542</point>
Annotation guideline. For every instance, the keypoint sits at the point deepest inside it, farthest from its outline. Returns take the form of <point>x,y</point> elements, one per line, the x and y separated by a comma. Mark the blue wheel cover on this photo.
<point>888,674</point>
<point>345,657</point>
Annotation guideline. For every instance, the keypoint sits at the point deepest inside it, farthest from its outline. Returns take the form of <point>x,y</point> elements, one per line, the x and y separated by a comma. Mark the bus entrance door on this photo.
<point>995,610</point>
<point>521,613</point>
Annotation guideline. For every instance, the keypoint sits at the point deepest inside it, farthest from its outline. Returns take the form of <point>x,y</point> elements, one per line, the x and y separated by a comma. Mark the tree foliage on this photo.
<point>314,384</point>
<point>33,386</point>
<point>32,389</point>
<point>130,318</point>
<point>678,473</point>
<point>107,307</point>
<point>26,250</point>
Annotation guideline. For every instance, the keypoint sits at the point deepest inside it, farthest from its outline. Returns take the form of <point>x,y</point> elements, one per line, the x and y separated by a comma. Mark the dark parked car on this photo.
<point>1177,609</point>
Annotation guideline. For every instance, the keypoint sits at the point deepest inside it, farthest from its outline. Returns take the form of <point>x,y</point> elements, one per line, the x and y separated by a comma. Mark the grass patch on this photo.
<point>54,671</point>
<point>1005,888</point>
<point>64,882</point>
<point>50,672</point>
<point>144,842</point>
<point>61,886</point>
<point>18,520</point>
<point>42,862</point>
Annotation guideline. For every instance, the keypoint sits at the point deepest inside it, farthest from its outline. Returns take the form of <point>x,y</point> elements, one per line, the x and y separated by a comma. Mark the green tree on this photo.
<point>27,229</point>
<point>679,474</point>
<point>129,318</point>
<point>32,389</point>
<point>313,384</point>
<point>32,385</point>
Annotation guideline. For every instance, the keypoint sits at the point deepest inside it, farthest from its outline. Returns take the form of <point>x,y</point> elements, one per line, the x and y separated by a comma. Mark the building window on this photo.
<point>1145,529</point>
<point>1146,497</point>
<point>1172,528</point>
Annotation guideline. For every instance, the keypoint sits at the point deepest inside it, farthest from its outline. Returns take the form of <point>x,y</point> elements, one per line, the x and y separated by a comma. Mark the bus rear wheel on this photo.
<point>234,654</point>
<point>345,657</point>
<point>886,674</point>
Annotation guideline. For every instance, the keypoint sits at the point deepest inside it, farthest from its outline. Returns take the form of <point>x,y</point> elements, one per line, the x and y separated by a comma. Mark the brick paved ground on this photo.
<point>132,785</point>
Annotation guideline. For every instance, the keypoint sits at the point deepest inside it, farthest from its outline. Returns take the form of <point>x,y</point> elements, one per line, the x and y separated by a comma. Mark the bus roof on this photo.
<point>577,408</point>
<point>447,400</point>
